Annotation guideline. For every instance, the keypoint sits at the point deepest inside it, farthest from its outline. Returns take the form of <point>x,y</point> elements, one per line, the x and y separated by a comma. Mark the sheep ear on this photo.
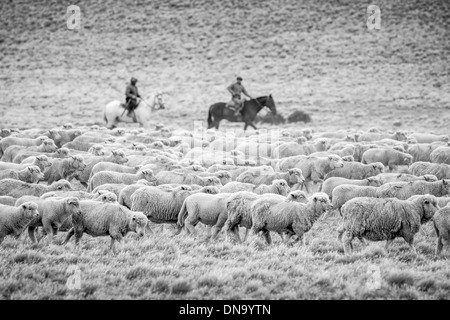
<point>315,199</point>
<point>30,169</point>
<point>445,182</point>
<point>24,206</point>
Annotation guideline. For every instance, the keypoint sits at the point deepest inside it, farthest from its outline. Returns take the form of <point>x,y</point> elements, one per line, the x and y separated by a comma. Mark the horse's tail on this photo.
<point>210,117</point>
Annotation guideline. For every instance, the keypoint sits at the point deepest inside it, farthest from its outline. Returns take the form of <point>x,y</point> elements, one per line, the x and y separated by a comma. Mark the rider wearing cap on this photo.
<point>236,89</point>
<point>132,96</point>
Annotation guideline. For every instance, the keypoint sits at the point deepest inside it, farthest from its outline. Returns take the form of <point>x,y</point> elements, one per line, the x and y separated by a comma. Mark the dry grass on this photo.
<point>162,267</point>
<point>315,57</point>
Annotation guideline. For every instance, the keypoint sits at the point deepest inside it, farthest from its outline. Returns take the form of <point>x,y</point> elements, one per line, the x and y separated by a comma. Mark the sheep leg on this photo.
<point>31,234</point>
<point>439,246</point>
<point>288,237</point>
<point>69,235</point>
<point>410,241</point>
<point>388,244</point>
<point>347,241</point>
<point>246,234</point>
<point>341,231</point>
<point>190,226</point>
<point>361,239</point>
<point>281,236</point>
<point>114,238</point>
<point>234,233</point>
<point>266,235</point>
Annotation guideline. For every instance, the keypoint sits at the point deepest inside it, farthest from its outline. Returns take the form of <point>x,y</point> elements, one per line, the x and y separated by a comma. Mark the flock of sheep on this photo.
<point>110,182</point>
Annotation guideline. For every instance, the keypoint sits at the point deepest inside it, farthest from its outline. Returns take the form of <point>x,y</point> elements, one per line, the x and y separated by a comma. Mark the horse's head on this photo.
<point>268,102</point>
<point>159,100</point>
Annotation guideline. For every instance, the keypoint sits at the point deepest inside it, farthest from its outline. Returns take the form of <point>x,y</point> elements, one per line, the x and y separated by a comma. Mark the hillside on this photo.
<point>311,55</point>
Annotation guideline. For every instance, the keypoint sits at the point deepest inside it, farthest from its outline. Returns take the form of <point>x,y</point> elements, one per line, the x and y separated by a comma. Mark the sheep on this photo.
<point>115,188</point>
<point>422,151</point>
<point>64,168</point>
<point>117,156</point>
<point>288,216</point>
<point>331,183</point>
<point>110,177</point>
<point>97,150</point>
<point>107,196</point>
<point>110,166</point>
<point>235,171</point>
<point>356,170</point>
<point>399,177</point>
<point>40,161</point>
<point>276,187</point>
<point>209,209</point>
<point>85,142</point>
<point>348,152</point>
<point>399,136</point>
<point>429,138</point>
<point>294,149</point>
<point>162,205</point>
<point>443,201</point>
<point>52,214</point>
<point>167,177</point>
<point>126,193</point>
<point>60,153</point>
<point>47,146</point>
<point>441,155</point>
<point>66,136</point>
<point>441,222</point>
<point>67,194</point>
<point>313,168</point>
<point>31,174</point>
<point>26,142</point>
<point>235,186</point>
<point>293,176</point>
<point>388,157</point>
<point>377,219</point>
<point>7,200</point>
<point>224,176</point>
<point>17,188</point>
<point>440,170</point>
<point>239,213</point>
<point>106,219</point>
<point>13,220</point>
<point>17,153</point>
<point>405,190</point>
<point>345,192</point>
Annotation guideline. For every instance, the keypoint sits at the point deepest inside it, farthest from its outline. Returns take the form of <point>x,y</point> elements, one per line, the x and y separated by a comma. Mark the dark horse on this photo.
<point>218,112</point>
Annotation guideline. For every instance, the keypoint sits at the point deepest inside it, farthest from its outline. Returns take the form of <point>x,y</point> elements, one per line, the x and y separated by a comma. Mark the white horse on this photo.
<point>115,112</point>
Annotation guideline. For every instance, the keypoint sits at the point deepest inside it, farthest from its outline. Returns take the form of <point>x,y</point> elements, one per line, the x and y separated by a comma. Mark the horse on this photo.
<point>219,111</point>
<point>115,111</point>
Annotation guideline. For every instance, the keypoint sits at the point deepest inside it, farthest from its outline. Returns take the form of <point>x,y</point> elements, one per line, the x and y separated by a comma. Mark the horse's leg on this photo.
<point>251,124</point>
<point>245,127</point>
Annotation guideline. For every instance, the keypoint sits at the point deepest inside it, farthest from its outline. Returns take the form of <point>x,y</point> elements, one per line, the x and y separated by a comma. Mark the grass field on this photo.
<point>314,56</point>
<point>160,266</point>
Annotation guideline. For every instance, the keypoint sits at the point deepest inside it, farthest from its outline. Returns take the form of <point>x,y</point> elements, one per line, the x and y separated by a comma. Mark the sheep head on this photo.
<point>138,223</point>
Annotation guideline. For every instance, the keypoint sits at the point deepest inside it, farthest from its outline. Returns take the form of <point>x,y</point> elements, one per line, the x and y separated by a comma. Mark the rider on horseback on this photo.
<point>236,89</point>
<point>131,96</point>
